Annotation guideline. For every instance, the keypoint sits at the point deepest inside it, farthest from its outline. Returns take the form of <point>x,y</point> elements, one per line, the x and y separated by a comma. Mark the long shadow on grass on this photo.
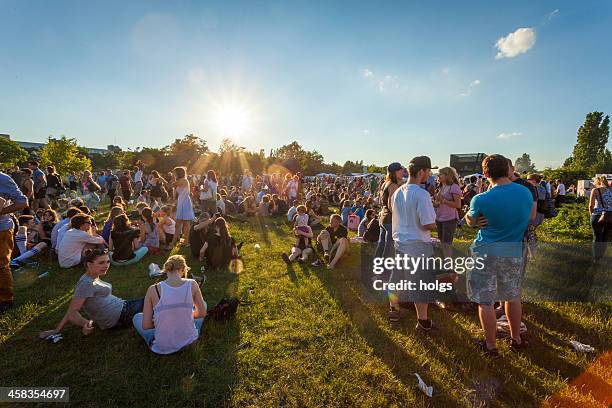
<point>114,367</point>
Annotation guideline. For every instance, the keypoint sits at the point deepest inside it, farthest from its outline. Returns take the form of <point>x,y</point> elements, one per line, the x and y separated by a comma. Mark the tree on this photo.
<point>523,164</point>
<point>104,161</point>
<point>11,153</point>
<point>64,154</point>
<point>590,151</point>
<point>186,151</point>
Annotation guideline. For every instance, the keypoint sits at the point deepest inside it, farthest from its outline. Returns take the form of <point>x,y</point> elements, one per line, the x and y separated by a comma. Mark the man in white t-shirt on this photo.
<point>560,197</point>
<point>81,236</point>
<point>413,219</point>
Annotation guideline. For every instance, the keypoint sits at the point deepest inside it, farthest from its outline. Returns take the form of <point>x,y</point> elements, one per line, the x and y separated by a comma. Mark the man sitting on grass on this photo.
<point>334,242</point>
<point>27,241</point>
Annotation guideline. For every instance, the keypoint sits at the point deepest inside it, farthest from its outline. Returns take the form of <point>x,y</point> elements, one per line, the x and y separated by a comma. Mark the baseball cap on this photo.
<point>422,162</point>
<point>393,167</point>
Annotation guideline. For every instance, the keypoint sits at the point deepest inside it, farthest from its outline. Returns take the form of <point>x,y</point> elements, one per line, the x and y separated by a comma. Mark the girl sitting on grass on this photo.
<point>173,311</point>
<point>124,243</point>
<point>108,224</point>
<point>166,226</point>
<point>95,297</point>
<point>149,234</point>
<point>303,238</point>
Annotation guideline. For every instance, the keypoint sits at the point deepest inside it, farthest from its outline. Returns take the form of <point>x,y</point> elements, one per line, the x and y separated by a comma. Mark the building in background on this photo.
<point>33,147</point>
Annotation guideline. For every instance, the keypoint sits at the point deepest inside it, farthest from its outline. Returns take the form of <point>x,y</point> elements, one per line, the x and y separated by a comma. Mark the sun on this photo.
<point>232,120</point>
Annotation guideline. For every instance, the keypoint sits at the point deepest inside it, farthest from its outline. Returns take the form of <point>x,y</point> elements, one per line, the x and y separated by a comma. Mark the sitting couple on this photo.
<point>168,318</point>
<point>212,242</point>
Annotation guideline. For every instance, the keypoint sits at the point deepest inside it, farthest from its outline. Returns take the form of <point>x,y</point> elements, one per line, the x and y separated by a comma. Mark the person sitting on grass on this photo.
<point>363,225</point>
<point>173,311</point>
<point>292,211</point>
<point>313,219</point>
<point>108,224</point>
<point>82,235</point>
<point>149,233</point>
<point>263,209</point>
<point>199,233</point>
<point>358,209</point>
<point>118,201</point>
<point>124,245</point>
<point>166,226</point>
<point>61,227</point>
<point>219,248</point>
<point>280,205</point>
<point>345,212</point>
<point>303,238</point>
<point>95,298</point>
<point>248,207</point>
<point>47,223</point>
<point>334,242</point>
<point>27,241</point>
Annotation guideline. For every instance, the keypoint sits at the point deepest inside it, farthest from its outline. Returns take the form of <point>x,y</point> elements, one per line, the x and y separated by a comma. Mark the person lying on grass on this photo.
<point>334,242</point>
<point>95,298</point>
<point>303,238</point>
<point>178,307</point>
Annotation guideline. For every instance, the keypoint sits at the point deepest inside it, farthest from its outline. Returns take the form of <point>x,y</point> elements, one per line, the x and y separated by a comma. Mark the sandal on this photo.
<point>493,354</point>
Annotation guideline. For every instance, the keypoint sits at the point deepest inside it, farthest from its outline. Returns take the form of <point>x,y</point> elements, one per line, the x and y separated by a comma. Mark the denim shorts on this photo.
<point>500,279</point>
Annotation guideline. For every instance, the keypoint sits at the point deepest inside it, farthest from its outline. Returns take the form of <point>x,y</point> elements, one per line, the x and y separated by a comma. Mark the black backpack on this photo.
<point>225,309</point>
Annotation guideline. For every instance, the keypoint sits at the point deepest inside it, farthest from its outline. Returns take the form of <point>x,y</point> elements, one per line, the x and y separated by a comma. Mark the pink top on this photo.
<point>446,212</point>
<point>173,316</point>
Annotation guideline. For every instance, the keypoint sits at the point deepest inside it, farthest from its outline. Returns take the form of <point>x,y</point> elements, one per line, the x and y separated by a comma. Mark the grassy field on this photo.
<point>311,338</point>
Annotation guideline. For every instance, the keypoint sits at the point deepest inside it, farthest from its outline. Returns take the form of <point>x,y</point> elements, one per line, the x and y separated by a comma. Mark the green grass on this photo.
<point>314,340</point>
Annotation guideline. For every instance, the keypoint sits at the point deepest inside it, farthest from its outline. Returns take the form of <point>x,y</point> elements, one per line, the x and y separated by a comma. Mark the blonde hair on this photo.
<point>451,175</point>
<point>601,181</point>
<point>176,263</point>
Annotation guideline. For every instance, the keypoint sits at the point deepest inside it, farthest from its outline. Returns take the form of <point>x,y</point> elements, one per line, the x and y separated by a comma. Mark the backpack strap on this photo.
<point>157,290</point>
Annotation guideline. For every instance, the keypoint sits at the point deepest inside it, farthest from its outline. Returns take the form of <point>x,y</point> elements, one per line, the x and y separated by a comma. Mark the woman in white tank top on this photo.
<point>173,310</point>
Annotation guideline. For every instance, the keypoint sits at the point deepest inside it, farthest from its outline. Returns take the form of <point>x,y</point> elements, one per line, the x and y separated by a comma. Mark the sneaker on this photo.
<point>286,258</point>
<point>5,306</point>
<point>394,315</point>
<point>316,263</point>
<point>432,329</point>
<point>493,354</point>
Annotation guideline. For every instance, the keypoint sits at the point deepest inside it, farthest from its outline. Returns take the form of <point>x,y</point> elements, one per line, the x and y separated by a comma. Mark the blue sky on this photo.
<point>378,82</point>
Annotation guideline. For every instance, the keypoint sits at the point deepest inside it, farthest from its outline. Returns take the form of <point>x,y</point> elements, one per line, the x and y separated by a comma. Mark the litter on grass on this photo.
<point>583,348</point>
<point>427,390</point>
<point>154,270</point>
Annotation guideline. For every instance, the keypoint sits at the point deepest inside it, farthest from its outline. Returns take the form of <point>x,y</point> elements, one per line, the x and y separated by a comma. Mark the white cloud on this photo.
<point>552,14</point>
<point>445,71</point>
<point>367,73</point>
<point>388,83</point>
<point>474,83</point>
<point>515,43</point>
<point>509,135</point>
<point>366,131</point>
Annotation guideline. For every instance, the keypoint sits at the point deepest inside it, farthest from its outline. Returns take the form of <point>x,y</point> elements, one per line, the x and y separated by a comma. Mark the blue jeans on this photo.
<point>385,242</point>
<point>149,334</point>
<point>138,255</point>
<point>92,200</point>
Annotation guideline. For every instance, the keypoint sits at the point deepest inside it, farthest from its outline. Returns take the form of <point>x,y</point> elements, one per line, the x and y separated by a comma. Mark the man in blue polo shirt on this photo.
<point>506,207</point>
<point>12,199</point>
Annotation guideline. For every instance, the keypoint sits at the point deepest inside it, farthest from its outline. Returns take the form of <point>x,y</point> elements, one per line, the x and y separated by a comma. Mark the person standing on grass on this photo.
<point>11,200</point>
<point>395,173</point>
<point>600,203</point>
<point>560,194</point>
<point>126,186</point>
<point>184,209</point>
<point>40,186</point>
<point>137,181</point>
<point>413,219</point>
<point>173,311</point>
<point>506,206</point>
<point>448,200</point>
<point>95,298</point>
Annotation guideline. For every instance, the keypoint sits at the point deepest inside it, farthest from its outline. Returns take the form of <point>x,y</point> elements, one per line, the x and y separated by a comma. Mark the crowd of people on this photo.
<point>44,215</point>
